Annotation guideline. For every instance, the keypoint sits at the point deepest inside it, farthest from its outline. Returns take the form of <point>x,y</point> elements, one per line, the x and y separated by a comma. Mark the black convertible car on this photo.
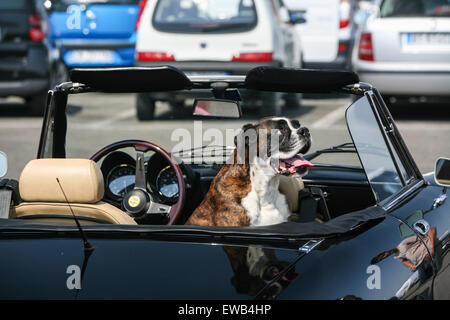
<point>113,227</point>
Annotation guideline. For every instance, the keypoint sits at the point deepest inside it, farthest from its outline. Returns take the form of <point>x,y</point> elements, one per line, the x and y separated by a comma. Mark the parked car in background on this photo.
<point>26,64</point>
<point>222,37</point>
<point>329,31</point>
<point>92,33</point>
<point>404,48</point>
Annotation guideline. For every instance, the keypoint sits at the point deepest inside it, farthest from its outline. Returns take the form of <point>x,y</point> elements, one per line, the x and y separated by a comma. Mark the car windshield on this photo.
<point>414,8</point>
<point>111,117</point>
<point>372,150</point>
<point>193,16</point>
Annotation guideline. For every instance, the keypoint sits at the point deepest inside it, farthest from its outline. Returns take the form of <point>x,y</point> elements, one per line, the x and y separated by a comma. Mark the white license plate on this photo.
<point>91,56</point>
<point>431,40</point>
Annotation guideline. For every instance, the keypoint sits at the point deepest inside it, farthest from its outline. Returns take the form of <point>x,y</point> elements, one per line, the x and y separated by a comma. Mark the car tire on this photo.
<point>145,107</point>
<point>293,100</point>
<point>271,104</point>
<point>37,103</point>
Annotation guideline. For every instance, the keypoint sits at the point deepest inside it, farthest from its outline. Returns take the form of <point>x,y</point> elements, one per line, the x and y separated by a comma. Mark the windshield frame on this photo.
<point>397,149</point>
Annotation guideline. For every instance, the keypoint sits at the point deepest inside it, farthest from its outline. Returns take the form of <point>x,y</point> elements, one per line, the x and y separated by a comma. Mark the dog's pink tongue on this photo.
<point>294,163</point>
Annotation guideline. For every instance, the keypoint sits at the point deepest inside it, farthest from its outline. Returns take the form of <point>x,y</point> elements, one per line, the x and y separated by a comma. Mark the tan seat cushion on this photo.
<point>81,180</point>
<point>290,188</point>
<point>100,211</point>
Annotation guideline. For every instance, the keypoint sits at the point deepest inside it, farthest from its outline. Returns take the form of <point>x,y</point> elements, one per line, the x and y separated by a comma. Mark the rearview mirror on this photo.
<point>442,172</point>
<point>217,108</point>
<point>3,164</point>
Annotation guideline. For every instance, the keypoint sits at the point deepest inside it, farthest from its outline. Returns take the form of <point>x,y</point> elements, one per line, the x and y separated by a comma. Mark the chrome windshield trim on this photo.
<point>393,201</point>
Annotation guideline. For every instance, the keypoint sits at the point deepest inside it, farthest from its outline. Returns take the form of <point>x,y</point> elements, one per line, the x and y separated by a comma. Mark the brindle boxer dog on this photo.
<point>245,192</point>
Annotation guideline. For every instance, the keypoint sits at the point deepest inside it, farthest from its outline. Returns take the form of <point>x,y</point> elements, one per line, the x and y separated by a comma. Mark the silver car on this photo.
<point>404,48</point>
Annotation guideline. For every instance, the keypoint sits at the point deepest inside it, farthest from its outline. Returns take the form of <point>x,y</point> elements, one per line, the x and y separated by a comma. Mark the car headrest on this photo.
<point>81,180</point>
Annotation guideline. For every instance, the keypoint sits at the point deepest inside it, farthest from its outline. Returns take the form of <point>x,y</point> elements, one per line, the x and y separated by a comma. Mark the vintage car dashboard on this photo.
<point>118,170</point>
<point>328,184</point>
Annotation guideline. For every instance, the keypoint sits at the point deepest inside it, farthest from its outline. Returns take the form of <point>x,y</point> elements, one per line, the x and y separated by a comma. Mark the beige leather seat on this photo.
<point>290,188</point>
<point>82,182</point>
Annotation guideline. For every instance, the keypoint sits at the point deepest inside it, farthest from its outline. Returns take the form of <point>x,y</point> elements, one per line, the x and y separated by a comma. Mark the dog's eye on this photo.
<point>295,124</point>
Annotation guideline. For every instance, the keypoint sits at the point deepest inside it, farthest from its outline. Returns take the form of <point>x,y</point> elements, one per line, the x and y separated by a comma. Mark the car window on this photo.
<point>14,5</point>
<point>372,149</point>
<point>415,8</point>
<point>190,16</point>
<point>61,5</point>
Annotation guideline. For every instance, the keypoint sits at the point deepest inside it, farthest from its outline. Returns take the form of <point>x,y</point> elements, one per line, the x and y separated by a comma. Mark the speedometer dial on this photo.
<point>167,183</point>
<point>121,180</point>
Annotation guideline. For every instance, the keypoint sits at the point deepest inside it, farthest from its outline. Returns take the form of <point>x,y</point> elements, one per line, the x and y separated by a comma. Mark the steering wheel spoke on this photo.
<point>159,208</point>
<point>141,179</point>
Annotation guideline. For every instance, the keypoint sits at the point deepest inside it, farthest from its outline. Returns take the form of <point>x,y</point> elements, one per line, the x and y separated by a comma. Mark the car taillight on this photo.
<point>142,5</point>
<point>343,23</point>
<point>36,33</point>
<point>342,47</point>
<point>155,56</point>
<point>253,57</point>
<point>344,13</point>
<point>365,50</point>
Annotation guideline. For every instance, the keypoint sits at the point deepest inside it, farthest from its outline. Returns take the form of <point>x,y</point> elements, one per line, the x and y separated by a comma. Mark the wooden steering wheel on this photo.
<point>139,203</point>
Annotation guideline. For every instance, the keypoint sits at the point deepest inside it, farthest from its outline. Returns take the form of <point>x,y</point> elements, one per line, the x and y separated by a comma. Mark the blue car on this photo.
<point>94,33</point>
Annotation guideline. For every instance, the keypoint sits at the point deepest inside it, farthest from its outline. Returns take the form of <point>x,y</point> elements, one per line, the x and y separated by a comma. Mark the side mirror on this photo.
<point>442,172</point>
<point>217,108</point>
<point>3,164</point>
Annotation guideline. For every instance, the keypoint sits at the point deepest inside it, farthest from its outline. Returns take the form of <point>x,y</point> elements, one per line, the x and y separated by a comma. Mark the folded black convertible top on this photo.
<point>167,78</point>
<point>132,79</point>
<point>299,80</point>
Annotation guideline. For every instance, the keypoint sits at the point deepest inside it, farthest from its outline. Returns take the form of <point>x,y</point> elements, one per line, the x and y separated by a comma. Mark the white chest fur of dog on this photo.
<point>265,204</point>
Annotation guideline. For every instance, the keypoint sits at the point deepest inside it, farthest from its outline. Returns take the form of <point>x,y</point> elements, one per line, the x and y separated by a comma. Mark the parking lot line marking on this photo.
<point>331,118</point>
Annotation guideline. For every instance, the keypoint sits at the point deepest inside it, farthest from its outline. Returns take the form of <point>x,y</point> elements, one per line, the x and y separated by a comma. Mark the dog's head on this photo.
<point>278,141</point>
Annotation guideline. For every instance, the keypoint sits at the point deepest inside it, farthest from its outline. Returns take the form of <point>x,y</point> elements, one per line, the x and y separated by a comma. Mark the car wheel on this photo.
<point>145,107</point>
<point>36,104</point>
<point>271,104</point>
<point>293,100</point>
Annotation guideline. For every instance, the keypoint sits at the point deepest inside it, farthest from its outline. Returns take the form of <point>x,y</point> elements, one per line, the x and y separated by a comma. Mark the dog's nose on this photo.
<point>303,131</point>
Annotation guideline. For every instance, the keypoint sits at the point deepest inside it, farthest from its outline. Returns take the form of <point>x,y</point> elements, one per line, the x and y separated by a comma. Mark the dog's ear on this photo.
<point>242,141</point>
<point>241,133</point>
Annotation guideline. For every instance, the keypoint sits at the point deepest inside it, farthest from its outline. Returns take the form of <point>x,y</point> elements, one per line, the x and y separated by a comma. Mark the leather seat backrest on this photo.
<point>81,180</point>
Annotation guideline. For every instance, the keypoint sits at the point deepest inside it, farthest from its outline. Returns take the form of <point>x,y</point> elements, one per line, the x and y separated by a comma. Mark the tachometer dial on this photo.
<point>121,180</point>
<point>167,183</point>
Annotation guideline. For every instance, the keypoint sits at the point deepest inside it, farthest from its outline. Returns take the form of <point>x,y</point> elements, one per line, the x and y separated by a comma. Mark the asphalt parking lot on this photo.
<point>96,120</point>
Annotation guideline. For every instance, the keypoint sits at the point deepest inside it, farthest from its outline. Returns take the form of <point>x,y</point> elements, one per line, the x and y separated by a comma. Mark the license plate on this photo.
<point>431,40</point>
<point>91,56</point>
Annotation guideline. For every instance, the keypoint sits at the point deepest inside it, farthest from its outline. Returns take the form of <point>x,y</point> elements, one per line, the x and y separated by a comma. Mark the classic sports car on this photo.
<point>114,227</point>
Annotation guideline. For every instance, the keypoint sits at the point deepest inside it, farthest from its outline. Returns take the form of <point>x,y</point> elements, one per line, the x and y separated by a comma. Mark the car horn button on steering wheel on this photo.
<point>136,203</point>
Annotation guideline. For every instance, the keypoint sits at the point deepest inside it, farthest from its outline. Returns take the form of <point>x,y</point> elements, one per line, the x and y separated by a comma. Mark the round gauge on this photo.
<point>121,180</point>
<point>167,183</point>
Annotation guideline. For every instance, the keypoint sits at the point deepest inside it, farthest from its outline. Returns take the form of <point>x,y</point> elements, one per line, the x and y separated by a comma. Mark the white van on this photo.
<point>329,32</point>
<point>216,37</point>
